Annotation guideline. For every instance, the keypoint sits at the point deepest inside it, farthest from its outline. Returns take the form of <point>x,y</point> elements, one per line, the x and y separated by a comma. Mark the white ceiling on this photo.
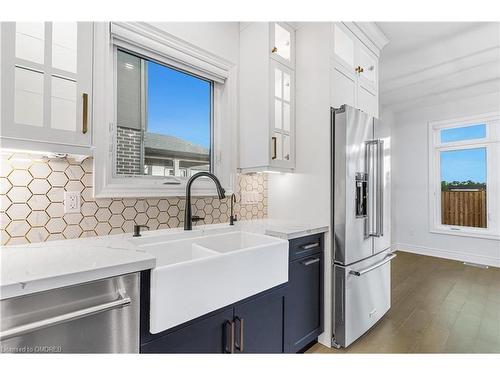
<point>432,62</point>
<point>407,36</point>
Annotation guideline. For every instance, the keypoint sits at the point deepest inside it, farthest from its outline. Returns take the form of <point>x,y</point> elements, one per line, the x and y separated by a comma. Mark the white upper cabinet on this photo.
<point>282,38</point>
<point>267,94</point>
<point>344,46</point>
<point>283,116</point>
<point>354,71</point>
<point>46,80</point>
<point>367,68</point>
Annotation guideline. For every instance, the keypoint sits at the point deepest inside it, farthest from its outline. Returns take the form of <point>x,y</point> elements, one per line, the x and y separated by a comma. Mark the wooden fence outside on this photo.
<point>464,208</point>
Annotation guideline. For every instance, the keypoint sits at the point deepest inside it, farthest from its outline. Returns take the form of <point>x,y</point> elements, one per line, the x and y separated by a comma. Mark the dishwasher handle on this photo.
<point>63,318</point>
<point>388,258</point>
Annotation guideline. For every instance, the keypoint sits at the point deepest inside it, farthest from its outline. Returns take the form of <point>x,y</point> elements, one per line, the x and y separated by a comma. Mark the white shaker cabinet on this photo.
<point>267,92</point>
<point>46,83</point>
<point>354,71</point>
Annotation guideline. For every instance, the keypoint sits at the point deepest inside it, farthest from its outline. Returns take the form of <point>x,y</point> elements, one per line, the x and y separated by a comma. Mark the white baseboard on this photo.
<point>447,254</point>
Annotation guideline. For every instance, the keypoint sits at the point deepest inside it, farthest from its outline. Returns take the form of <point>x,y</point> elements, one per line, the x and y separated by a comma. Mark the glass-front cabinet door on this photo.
<point>282,43</point>
<point>47,82</point>
<point>282,119</point>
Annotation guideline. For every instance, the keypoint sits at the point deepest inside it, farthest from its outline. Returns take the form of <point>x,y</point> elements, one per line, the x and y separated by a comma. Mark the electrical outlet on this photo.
<point>249,197</point>
<point>71,202</point>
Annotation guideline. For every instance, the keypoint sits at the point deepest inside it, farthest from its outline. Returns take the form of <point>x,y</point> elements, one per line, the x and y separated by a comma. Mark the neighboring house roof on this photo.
<point>169,146</point>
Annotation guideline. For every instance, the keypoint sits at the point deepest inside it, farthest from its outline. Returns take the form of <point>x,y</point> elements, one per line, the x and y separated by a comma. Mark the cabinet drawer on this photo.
<point>305,246</point>
<point>304,303</point>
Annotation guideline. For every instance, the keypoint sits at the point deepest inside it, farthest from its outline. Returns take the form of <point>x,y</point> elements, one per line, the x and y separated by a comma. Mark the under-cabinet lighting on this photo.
<point>43,154</point>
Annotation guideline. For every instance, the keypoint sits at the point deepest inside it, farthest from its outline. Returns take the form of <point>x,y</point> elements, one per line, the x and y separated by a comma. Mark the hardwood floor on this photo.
<point>438,306</point>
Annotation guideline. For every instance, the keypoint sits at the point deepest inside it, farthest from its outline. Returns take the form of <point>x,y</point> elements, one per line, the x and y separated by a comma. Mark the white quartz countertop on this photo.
<point>284,229</point>
<point>43,266</point>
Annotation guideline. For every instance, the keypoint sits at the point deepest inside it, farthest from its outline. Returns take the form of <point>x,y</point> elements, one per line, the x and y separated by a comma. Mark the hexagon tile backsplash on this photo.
<point>31,208</point>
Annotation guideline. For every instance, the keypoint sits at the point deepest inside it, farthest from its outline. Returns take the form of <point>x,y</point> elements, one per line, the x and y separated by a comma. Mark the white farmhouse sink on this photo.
<point>197,275</point>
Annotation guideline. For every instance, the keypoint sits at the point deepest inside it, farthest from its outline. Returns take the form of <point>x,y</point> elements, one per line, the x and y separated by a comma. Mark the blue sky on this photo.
<point>463,133</point>
<point>178,105</point>
<point>464,165</point>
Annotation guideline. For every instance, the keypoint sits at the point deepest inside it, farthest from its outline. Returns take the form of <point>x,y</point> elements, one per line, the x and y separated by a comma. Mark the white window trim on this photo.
<point>492,144</point>
<point>163,47</point>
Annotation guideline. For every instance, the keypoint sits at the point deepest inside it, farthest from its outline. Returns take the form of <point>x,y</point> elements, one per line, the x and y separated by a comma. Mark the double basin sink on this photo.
<point>201,271</point>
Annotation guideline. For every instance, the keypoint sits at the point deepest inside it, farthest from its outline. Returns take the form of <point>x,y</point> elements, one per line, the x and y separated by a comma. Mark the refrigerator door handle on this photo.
<point>388,258</point>
<point>369,174</point>
<point>374,165</point>
<point>380,187</point>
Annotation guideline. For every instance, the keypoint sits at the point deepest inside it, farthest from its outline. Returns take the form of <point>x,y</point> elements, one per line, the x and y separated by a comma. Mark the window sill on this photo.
<point>465,233</point>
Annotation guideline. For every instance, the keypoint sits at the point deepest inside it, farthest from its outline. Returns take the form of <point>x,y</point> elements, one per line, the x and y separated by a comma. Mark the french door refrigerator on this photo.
<point>361,224</point>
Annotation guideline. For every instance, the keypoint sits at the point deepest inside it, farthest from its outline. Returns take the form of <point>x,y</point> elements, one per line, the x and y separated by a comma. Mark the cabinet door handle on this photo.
<point>274,148</point>
<point>359,69</point>
<point>240,344</point>
<point>274,50</point>
<point>310,261</point>
<point>85,115</point>
<point>310,246</point>
<point>229,344</point>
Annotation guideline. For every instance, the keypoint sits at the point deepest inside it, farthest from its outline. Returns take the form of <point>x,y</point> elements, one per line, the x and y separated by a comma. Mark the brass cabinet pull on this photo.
<point>274,50</point>
<point>85,119</point>
<point>240,344</point>
<point>274,148</point>
<point>359,70</point>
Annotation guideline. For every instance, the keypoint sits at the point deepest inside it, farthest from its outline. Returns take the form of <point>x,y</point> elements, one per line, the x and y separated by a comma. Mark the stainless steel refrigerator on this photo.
<point>361,224</point>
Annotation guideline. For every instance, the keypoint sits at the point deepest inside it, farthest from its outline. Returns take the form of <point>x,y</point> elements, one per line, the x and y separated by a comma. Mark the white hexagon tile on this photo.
<point>31,203</point>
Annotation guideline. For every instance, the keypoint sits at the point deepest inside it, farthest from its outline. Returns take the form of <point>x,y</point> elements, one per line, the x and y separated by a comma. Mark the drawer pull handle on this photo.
<point>388,258</point>
<point>49,322</point>
<point>310,246</point>
<point>310,261</point>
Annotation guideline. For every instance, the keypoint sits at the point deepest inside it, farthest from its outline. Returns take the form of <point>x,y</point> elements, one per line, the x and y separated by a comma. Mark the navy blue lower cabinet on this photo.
<point>259,324</point>
<point>287,318</point>
<point>304,300</point>
<point>253,325</point>
<point>209,335</point>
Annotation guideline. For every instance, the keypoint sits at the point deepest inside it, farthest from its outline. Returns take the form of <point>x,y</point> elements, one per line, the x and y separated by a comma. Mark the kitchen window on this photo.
<point>464,176</point>
<point>166,110</point>
<point>164,119</point>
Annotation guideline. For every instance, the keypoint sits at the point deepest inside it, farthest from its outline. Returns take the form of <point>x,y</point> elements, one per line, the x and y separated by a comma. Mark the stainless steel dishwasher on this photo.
<point>96,317</point>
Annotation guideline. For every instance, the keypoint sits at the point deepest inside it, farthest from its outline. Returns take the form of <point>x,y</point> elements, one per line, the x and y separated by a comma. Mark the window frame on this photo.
<point>491,142</point>
<point>144,111</point>
<point>157,45</point>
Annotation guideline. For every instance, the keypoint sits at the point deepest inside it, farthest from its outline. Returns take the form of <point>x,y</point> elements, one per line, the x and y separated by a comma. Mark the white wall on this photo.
<point>220,38</point>
<point>410,220</point>
<point>304,195</point>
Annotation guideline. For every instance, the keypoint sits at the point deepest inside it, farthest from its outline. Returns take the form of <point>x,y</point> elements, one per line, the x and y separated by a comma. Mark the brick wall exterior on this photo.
<point>128,151</point>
